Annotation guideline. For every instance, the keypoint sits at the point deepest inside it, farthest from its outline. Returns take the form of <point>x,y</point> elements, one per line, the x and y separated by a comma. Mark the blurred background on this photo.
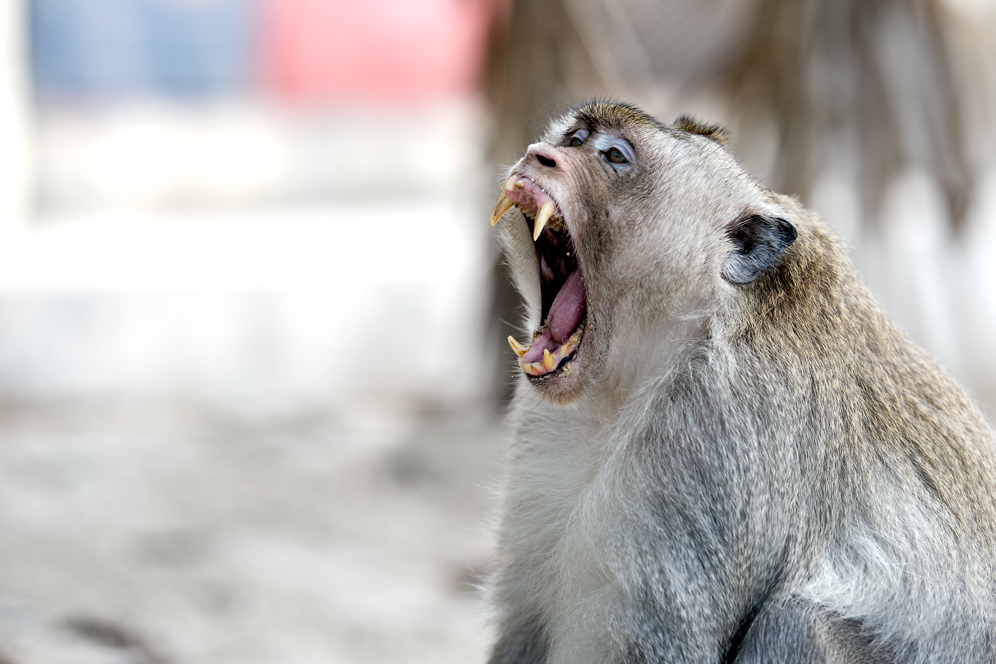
<point>252,365</point>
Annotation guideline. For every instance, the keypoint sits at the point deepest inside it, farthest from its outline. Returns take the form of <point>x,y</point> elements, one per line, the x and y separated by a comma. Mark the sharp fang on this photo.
<point>510,183</point>
<point>517,348</point>
<point>542,217</point>
<point>501,207</point>
<point>548,360</point>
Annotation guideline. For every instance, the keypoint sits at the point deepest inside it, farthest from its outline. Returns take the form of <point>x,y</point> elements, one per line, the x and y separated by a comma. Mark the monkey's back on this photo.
<point>898,466</point>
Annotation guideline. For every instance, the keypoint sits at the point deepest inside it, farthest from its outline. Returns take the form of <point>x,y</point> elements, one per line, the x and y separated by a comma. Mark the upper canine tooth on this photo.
<point>542,217</point>
<point>517,348</point>
<point>501,207</point>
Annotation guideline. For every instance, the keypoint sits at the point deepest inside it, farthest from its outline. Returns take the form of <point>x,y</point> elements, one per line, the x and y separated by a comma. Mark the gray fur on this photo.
<point>802,632</point>
<point>522,642</point>
<point>740,469</point>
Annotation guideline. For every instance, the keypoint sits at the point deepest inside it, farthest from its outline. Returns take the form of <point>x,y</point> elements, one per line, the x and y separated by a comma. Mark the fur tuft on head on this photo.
<point>693,126</point>
<point>612,113</point>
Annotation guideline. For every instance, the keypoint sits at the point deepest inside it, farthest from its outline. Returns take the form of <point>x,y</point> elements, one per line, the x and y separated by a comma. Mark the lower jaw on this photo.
<point>557,362</point>
<point>562,386</point>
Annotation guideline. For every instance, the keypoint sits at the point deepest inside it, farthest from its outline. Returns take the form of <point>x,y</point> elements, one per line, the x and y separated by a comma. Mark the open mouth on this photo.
<point>564,298</point>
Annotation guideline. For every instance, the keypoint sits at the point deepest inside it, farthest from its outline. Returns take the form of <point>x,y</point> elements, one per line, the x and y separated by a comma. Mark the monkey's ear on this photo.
<point>759,242</point>
<point>693,126</point>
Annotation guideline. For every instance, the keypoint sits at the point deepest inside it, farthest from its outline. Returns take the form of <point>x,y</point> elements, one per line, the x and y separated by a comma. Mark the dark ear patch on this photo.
<point>693,126</point>
<point>758,242</point>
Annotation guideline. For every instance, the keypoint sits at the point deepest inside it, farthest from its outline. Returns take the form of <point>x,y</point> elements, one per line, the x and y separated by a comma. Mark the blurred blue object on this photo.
<point>98,49</point>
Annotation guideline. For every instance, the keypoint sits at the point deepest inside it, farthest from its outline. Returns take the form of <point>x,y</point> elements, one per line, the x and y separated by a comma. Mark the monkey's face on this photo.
<point>636,232</point>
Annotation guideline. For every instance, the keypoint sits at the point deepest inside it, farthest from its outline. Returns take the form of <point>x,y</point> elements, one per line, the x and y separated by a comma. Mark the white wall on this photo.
<point>159,278</point>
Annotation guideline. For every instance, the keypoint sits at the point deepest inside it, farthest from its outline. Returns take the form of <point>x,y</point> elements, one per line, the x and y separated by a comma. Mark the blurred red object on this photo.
<point>316,50</point>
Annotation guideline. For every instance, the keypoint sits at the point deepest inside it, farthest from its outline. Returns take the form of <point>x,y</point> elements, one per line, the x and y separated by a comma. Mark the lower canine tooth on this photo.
<point>510,183</point>
<point>548,360</point>
<point>501,207</point>
<point>517,348</point>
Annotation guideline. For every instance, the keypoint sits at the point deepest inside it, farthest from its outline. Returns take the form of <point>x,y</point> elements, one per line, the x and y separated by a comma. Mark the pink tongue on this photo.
<point>563,318</point>
<point>567,308</point>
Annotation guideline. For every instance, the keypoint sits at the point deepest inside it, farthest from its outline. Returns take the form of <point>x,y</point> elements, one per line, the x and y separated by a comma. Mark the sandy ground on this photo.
<point>156,532</point>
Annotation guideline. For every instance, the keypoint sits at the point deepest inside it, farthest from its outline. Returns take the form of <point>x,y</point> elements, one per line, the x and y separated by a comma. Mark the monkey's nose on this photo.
<point>544,154</point>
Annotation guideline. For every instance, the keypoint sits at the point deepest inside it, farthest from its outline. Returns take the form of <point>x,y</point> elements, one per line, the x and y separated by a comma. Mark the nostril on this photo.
<point>546,161</point>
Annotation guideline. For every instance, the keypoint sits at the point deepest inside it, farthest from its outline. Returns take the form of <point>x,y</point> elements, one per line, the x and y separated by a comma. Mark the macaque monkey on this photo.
<point>724,450</point>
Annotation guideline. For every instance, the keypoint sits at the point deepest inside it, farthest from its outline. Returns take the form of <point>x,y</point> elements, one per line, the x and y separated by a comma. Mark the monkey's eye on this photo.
<point>615,156</point>
<point>577,138</point>
<point>617,152</point>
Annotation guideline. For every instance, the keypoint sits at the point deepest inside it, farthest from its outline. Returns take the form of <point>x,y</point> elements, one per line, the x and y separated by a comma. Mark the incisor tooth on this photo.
<point>531,368</point>
<point>542,217</point>
<point>517,348</point>
<point>548,360</point>
<point>510,183</point>
<point>501,207</point>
